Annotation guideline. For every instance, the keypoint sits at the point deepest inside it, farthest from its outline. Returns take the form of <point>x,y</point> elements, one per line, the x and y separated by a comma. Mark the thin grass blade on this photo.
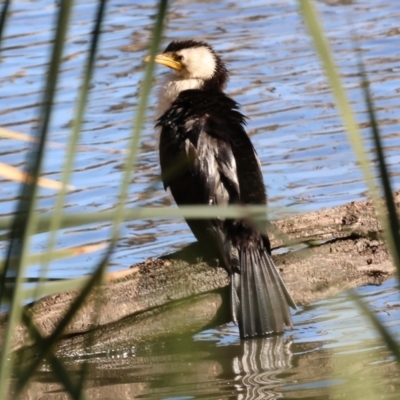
<point>74,137</point>
<point>49,342</point>
<point>14,174</point>
<point>24,222</point>
<point>345,110</point>
<point>54,255</point>
<point>385,334</point>
<point>342,103</point>
<point>3,19</point>
<point>57,366</point>
<point>392,224</point>
<point>139,119</point>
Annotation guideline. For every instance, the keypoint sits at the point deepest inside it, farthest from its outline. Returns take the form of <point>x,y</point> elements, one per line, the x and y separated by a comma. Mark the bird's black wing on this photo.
<point>204,132</point>
<point>197,159</point>
<point>207,158</point>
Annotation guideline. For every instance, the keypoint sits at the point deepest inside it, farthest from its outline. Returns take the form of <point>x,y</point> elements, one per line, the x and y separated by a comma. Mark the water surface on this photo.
<point>306,160</point>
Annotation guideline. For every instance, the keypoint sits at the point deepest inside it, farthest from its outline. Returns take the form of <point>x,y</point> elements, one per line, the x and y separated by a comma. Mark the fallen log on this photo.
<point>173,294</point>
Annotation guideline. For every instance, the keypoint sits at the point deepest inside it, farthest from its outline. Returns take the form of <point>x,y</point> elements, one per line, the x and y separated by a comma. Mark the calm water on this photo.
<point>306,160</point>
<point>331,353</point>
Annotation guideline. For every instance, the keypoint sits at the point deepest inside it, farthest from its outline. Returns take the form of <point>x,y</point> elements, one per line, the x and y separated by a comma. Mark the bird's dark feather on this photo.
<point>217,119</point>
<point>207,158</point>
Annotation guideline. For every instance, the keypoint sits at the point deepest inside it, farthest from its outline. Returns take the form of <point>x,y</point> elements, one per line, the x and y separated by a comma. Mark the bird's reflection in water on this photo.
<point>258,367</point>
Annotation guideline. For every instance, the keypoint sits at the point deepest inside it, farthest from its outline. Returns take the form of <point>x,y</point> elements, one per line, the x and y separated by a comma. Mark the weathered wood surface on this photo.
<point>154,294</point>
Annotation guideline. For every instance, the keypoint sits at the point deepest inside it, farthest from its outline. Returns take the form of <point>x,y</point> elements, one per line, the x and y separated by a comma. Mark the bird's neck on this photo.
<point>170,89</point>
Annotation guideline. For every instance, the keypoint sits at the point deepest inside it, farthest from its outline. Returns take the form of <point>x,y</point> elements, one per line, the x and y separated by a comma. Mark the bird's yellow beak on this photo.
<point>168,61</point>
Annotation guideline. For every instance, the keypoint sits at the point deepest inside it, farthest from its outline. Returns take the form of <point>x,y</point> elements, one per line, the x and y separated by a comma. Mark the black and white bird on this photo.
<point>207,158</point>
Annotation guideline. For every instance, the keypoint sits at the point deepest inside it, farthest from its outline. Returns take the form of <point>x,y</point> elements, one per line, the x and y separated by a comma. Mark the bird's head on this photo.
<point>191,59</point>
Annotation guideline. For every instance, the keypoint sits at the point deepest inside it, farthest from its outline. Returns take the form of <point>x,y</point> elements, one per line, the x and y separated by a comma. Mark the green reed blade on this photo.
<point>24,222</point>
<point>3,19</point>
<point>49,342</point>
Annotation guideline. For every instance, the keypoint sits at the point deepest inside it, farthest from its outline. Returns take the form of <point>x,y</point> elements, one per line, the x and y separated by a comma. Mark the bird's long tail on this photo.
<point>259,298</point>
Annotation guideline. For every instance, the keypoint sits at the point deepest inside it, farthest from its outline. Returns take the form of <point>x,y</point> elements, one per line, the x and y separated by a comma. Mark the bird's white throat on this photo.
<point>170,89</point>
<point>198,65</point>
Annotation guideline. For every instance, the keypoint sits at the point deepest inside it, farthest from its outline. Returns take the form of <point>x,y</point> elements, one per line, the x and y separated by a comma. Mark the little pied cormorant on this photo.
<point>206,157</point>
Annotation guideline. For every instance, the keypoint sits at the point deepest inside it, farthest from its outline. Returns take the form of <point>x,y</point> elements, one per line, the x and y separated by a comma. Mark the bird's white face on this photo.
<point>196,63</point>
<point>191,67</point>
<point>190,63</point>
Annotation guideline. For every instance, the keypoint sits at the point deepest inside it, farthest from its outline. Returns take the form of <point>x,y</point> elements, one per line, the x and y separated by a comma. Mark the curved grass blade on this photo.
<point>49,342</point>
<point>13,174</point>
<point>385,334</point>
<point>393,226</point>
<point>349,122</point>
<point>77,125</point>
<point>74,137</point>
<point>24,220</point>
<point>3,19</point>
<point>57,366</point>
<point>74,390</point>
<point>342,103</point>
<point>390,225</point>
<point>117,215</point>
<point>130,161</point>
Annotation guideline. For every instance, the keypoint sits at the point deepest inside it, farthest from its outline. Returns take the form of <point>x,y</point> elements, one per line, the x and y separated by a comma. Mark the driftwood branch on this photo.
<point>173,295</point>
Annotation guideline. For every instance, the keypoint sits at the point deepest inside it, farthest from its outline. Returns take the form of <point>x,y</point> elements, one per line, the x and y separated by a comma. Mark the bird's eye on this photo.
<point>179,57</point>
